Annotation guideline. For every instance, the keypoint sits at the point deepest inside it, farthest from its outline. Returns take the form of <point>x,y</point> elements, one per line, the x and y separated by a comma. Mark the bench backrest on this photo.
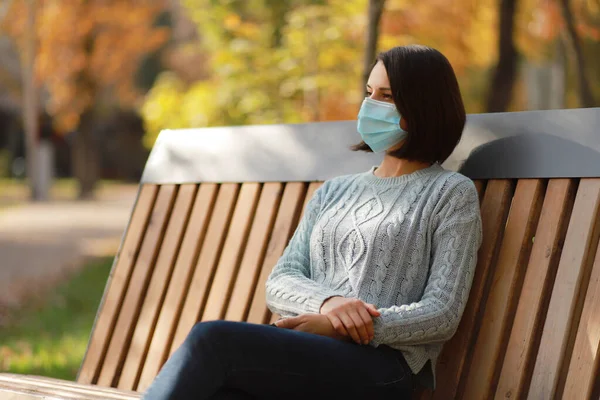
<point>217,207</point>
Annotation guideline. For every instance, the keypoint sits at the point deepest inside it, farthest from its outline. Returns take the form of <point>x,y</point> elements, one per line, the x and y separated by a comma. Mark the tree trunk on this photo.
<point>586,98</point>
<point>85,157</point>
<point>374,13</point>
<point>30,107</point>
<point>279,10</point>
<point>505,74</point>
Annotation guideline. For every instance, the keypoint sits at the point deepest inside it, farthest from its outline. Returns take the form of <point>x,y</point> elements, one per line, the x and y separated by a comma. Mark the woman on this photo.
<point>377,275</point>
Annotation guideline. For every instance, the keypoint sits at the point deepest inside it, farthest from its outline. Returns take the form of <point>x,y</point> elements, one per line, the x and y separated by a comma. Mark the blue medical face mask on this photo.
<point>379,125</point>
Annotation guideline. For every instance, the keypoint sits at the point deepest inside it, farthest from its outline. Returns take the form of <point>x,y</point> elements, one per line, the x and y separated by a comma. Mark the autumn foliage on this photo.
<point>88,50</point>
<point>272,61</point>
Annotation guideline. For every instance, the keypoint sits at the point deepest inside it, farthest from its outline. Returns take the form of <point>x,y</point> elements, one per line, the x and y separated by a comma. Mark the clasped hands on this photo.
<point>340,318</point>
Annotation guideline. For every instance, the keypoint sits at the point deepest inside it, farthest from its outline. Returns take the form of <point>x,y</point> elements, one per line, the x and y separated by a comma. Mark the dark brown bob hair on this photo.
<point>426,94</point>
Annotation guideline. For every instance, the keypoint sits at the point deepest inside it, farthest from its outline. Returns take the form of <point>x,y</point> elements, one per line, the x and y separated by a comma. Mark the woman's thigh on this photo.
<point>269,362</point>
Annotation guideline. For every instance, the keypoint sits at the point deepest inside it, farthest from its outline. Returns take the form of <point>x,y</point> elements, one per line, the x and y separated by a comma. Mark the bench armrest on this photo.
<point>28,387</point>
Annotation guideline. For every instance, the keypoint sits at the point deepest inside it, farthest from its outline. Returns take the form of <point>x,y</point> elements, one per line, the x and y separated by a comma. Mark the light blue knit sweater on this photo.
<point>407,244</point>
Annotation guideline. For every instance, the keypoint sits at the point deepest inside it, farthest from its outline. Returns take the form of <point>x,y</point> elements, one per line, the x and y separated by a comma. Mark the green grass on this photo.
<point>49,335</point>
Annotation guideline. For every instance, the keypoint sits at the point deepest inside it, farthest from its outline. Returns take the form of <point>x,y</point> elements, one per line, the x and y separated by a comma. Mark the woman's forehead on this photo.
<point>378,77</point>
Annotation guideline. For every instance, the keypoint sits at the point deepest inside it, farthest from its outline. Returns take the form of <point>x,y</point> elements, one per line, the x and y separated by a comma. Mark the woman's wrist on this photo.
<point>324,302</point>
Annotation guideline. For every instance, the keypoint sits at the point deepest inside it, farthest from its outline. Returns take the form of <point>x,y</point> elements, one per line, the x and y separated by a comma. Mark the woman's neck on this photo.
<point>392,166</point>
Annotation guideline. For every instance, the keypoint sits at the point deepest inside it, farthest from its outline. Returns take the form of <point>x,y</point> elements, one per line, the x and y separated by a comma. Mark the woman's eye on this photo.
<point>368,94</point>
<point>387,96</point>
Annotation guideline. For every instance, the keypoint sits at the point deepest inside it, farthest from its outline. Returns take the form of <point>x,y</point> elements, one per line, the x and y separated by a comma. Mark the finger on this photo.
<point>360,327</point>
<point>368,320</point>
<point>337,325</point>
<point>288,323</point>
<point>350,327</point>
<point>372,310</point>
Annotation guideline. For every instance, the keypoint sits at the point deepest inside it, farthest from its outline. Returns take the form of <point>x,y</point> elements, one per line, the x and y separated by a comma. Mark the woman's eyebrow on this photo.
<point>383,88</point>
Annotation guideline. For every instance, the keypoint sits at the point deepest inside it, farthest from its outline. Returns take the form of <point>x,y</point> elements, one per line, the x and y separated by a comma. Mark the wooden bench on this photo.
<point>217,207</point>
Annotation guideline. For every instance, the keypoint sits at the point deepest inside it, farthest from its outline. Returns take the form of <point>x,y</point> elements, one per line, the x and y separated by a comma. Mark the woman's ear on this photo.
<point>403,124</point>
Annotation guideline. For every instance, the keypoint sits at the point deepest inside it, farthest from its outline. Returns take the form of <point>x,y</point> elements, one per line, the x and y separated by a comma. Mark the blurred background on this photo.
<point>87,85</point>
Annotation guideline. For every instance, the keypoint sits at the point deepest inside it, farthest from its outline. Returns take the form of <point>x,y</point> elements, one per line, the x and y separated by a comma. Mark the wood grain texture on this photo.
<point>537,286</point>
<point>207,262</point>
<point>564,309</point>
<point>179,284</point>
<point>58,389</point>
<point>505,290</point>
<point>233,250</point>
<point>161,275</point>
<point>134,298</point>
<point>117,286</point>
<point>262,226</point>
<point>583,370</point>
<point>480,185</point>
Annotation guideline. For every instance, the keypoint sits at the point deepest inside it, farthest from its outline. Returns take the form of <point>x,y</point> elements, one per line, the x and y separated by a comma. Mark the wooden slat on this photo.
<point>454,358</point>
<point>565,302</point>
<point>137,286</point>
<point>585,362</point>
<point>539,278</point>
<point>43,386</point>
<point>117,286</point>
<point>480,186</point>
<point>179,284</point>
<point>13,394</point>
<point>157,288</point>
<point>287,217</point>
<point>207,262</point>
<point>258,239</point>
<point>505,290</point>
<point>235,244</point>
<point>24,391</point>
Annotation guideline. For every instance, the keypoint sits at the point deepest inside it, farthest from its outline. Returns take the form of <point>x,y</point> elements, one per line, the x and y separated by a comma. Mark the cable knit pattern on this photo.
<point>407,244</point>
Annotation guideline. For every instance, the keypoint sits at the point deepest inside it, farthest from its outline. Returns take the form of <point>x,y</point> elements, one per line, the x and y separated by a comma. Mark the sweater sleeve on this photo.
<point>290,289</point>
<point>455,241</point>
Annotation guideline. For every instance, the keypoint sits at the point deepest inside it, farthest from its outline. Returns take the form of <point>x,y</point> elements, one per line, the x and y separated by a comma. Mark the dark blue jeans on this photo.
<point>233,360</point>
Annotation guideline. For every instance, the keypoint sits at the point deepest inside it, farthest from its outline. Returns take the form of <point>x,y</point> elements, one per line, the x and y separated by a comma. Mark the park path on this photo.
<point>40,243</point>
